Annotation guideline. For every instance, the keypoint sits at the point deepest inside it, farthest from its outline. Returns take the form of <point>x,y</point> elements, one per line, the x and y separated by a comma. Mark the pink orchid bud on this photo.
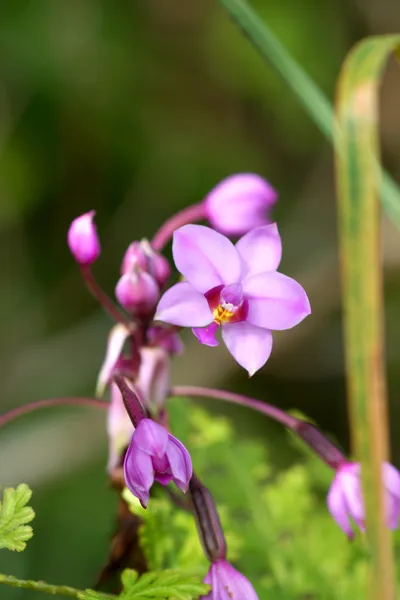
<point>345,497</point>
<point>240,203</point>
<point>83,240</point>
<point>142,255</point>
<point>227,583</point>
<point>155,455</point>
<point>137,292</point>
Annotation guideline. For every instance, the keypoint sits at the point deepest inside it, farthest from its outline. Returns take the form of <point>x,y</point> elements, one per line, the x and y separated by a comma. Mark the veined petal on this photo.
<point>249,345</point>
<point>139,474</point>
<point>205,258</point>
<point>151,438</point>
<point>275,301</point>
<point>180,463</point>
<point>337,508</point>
<point>206,335</point>
<point>260,250</point>
<point>183,305</point>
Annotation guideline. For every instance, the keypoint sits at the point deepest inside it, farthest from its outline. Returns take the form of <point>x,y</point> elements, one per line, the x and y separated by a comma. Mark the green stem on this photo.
<point>308,93</point>
<point>47,588</point>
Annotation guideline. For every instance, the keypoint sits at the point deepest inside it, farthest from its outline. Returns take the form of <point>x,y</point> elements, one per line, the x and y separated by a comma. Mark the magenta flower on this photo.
<point>142,255</point>
<point>155,455</point>
<point>227,583</point>
<point>240,203</point>
<point>236,288</point>
<point>345,498</point>
<point>137,292</point>
<point>83,240</point>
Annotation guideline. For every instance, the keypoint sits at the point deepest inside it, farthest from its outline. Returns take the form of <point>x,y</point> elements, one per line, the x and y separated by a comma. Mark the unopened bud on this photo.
<point>240,203</point>
<point>137,292</point>
<point>83,240</point>
<point>141,255</point>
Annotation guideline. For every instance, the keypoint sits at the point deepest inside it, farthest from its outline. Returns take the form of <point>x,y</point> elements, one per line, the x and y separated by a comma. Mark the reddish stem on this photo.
<point>32,406</point>
<point>310,434</point>
<point>103,299</point>
<point>188,215</point>
<point>269,410</point>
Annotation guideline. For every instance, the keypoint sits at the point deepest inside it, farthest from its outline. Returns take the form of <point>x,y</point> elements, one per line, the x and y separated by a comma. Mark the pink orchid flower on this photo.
<point>233,287</point>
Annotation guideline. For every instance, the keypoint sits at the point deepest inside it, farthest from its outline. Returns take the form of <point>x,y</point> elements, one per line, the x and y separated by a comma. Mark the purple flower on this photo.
<point>227,583</point>
<point>137,292</point>
<point>155,455</point>
<point>83,240</point>
<point>345,498</point>
<point>239,203</point>
<point>236,288</point>
<point>142,255</point>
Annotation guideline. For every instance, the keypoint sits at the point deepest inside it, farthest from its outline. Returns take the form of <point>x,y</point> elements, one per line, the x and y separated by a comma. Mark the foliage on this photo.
<point>277,522</point>
<point>171,584</point>
<point>14,516</point>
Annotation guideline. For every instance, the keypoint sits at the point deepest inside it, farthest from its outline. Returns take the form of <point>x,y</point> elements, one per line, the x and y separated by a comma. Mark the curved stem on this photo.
<point>47,588</point>
<point>267,409</point>
<point>310,434</point>
<point>190,214</point>
<point>100,295</point>
<point>32,406</point>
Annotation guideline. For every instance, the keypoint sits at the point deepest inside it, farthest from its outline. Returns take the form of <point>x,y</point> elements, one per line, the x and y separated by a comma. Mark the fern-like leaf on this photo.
<point>171,584</point>
<point>14,516</point>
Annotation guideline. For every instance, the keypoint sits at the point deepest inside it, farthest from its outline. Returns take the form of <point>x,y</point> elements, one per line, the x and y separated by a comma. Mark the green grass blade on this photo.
<point>358,178</point>
<point>307,91</point>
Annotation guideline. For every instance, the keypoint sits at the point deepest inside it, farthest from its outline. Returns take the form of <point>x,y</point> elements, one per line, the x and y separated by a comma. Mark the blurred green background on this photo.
<point>137,108</point>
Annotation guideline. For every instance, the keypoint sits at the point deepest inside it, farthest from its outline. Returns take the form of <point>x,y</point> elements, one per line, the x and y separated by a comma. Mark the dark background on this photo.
<point>136,109</point>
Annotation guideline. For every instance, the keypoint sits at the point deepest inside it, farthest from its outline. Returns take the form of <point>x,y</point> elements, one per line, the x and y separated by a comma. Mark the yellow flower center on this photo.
<point>222,315</point>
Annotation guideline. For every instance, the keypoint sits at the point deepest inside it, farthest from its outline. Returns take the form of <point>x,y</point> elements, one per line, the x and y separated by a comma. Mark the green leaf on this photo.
<point>296,78</point>
<point>14,516</point>
<point>358,177</point>
<point>171,584</point>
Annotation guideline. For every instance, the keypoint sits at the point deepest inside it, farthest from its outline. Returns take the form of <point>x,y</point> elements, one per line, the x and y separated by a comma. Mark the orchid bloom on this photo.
<point>227,583</point>
<point>155,455</point>
<point>233,287</point>
<point>345,498</point>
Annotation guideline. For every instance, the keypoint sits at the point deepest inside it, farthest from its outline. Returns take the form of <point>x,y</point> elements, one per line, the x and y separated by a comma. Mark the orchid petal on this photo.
<point>260,250</point>
<point>138,472</point>
<point>206,335</point>
<point>116,339</point>
<point>275,301</point>
<point>183,305</point>
<point>337,507</point>
<point>205,258</point>
<point>227,583</point>
<point>180,463</point>
<point>249,345</point>
<point>391,479</point>
<point>119,428</point>
<point>151,438</point>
